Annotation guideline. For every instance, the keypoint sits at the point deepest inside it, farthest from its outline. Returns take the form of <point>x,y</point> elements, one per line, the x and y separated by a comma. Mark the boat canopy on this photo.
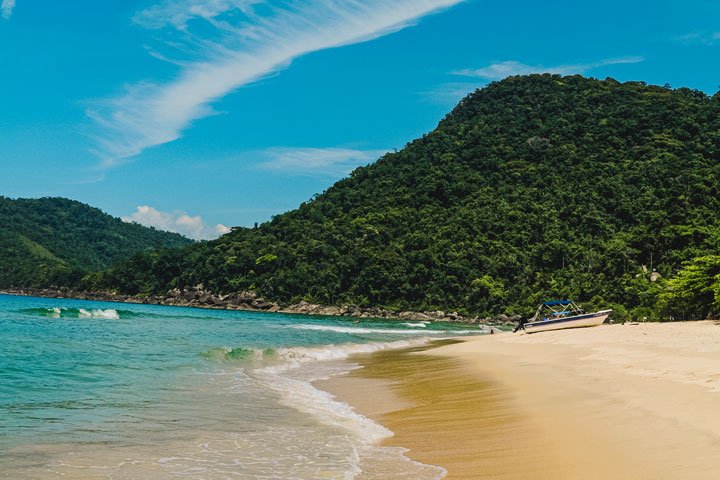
<point>556,309</point>
<point>557,302</point>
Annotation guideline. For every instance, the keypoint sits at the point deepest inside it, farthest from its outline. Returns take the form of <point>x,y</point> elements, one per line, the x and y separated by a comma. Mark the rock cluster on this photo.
<point>198,297</point>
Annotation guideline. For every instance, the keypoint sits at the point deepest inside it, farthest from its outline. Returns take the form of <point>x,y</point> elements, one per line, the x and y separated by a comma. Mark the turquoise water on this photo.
<point>104,390</point>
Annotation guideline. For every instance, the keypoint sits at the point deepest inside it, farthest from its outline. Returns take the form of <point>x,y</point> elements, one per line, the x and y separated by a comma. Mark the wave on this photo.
<point>290,372</point>
<point>301,366</point>
<point>62,312</point>
<point>294,355</point>
<point>227,354</point>
<point>365,330</point>
<point>413,330</point>
<point>416,325</point>
<point>342,351</point>
<point>111,313</point>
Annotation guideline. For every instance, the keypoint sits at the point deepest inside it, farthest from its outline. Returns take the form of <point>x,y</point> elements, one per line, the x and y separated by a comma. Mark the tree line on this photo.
<point>534,187</point>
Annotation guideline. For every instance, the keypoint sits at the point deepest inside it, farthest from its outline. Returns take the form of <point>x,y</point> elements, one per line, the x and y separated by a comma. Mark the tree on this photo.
<point>695,292</point>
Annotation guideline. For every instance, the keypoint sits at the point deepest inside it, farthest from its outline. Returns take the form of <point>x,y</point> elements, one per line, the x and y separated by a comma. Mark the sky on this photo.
<point>198,115</point>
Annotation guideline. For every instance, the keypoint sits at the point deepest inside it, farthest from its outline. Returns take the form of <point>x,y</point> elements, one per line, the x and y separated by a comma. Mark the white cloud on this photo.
<point>698,38</point>
<point>178,13</point>
<point>449,93</point>
<point>7,7</point>
<point>235,46</point>
<point>221,229</point>
<point>498,71</point>
<point>178,222</point>
<point>332,162</point>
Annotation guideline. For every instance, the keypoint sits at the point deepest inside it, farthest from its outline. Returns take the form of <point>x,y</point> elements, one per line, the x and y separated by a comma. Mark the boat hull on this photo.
<point>577,321</point>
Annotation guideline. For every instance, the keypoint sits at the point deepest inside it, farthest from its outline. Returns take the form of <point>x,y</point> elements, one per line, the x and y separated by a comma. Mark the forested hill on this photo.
<point>533,187</point>
<point>56,241</point>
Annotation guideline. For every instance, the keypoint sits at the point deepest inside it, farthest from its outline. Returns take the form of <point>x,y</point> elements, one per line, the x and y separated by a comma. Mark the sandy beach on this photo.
<point>618,401</point>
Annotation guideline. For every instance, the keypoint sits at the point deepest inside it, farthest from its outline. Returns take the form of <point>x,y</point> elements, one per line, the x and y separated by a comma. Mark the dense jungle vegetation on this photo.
<point>55,241</point>
<point>534,187</point>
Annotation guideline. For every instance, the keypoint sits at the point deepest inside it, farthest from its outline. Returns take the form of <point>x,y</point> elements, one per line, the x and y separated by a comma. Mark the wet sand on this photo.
<point>616,401</point>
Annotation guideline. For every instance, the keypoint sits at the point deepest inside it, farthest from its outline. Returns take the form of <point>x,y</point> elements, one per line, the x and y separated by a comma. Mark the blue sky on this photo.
<point>193,115</point>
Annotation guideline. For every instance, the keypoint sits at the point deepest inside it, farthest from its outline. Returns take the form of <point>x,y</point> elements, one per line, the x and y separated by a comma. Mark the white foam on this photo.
<point>110,313</point>
<point>365,330</point>
<point>416,325</point>
<point>296,355</point>
<point>303,396</point>
<point>292,380</point>
<point>66,312</point>
<point>303,365</point>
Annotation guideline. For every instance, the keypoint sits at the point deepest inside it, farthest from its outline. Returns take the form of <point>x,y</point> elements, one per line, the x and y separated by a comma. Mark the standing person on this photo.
<point>521,324</point>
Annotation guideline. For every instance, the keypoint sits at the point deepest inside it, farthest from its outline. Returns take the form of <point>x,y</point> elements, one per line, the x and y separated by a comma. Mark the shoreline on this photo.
<point>615,401</point>
<point>197,297</point>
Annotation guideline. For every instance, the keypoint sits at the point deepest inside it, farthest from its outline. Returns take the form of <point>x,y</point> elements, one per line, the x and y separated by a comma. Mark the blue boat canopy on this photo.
<point>557,302</point>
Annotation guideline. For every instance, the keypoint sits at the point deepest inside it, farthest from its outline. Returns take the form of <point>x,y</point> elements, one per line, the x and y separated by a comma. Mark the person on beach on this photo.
<point>521,324</point>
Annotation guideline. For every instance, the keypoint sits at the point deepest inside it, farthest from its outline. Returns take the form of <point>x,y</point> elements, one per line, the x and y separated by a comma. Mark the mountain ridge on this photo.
<point>532,187</point>
<point>47,241</point>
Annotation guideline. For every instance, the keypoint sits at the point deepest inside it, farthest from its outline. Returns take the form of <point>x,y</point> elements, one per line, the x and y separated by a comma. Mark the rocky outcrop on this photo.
<point>199,297</point>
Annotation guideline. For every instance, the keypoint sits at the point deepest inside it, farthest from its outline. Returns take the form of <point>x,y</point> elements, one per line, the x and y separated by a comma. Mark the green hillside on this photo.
<point>56,241</point>
<point>534,187</point>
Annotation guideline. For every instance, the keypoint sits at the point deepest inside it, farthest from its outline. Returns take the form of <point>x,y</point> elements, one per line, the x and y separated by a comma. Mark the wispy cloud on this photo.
<point>449,93</point>
<point>178,13</point>
<point>191,226</point>
<point>231,44</point>
<point>698,38</point>
<point>330,162</point>
<point>7,8</point>
<point>498,71</point>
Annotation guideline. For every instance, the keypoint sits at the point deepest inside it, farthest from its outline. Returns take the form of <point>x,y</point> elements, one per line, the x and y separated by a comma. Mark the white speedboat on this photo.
<point>559,314</point>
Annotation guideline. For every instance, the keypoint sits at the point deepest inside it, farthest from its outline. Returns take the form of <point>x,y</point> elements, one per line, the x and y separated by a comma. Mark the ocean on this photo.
<point>123,391</point>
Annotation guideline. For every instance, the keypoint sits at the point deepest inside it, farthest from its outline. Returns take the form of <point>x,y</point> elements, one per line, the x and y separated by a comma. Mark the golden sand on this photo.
<point>611,402</point>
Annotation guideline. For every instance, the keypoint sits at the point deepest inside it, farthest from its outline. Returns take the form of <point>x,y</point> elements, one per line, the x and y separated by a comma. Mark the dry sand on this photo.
<point>610,402</point>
